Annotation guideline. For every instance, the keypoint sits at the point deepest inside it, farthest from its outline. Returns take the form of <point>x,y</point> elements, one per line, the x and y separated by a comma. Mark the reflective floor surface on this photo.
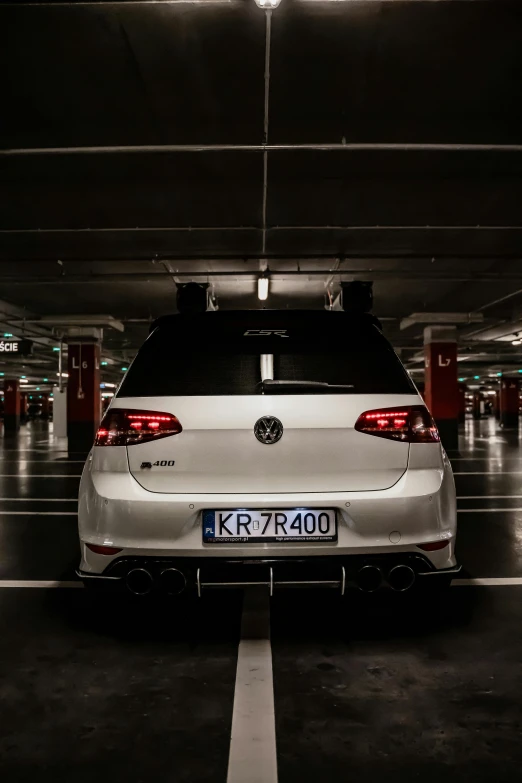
<point>365,690</point>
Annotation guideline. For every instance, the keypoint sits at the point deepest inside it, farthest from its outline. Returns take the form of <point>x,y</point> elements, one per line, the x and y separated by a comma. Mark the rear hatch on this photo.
<point>220,373</point>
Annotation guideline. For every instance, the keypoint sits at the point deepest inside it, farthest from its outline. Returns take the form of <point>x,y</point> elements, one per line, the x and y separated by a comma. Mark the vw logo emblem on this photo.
<point>268,429</point>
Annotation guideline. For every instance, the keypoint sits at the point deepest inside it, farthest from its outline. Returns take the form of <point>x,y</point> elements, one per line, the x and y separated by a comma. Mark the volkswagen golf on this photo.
<point>284,448</point>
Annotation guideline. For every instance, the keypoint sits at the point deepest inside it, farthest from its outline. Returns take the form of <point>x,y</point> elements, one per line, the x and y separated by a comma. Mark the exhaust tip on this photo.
<point>401,578</point>
<point>369,578</point>
<point>139,581</point>
<point>172,581</point>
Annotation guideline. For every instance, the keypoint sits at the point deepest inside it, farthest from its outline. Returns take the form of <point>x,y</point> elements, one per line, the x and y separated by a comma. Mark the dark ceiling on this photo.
<point>133,144</point>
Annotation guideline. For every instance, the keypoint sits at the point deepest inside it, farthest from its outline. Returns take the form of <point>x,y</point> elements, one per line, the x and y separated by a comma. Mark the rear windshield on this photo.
<point>246,361</point>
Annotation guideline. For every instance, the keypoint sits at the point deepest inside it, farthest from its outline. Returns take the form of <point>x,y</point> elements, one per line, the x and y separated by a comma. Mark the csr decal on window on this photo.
<point>266,333</point>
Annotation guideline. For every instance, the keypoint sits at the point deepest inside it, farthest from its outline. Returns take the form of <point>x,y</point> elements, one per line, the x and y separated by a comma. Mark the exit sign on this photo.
<point>16,347</point>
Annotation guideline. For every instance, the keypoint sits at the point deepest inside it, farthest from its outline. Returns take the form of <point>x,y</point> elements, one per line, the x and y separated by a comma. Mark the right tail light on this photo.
<point>407,423</point>
<point>125,427</point>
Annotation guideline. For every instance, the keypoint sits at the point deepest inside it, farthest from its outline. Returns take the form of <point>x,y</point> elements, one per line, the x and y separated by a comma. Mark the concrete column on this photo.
<point>462,402</point>
<point>24,404</point>
<point>509,402</point>
<point>442,392</point>
<point>83,389</point>
<point>11,406</point>
<point>477,405</point>
<point>45,407</point>
<point>496,404</point>
<point>60,412</point>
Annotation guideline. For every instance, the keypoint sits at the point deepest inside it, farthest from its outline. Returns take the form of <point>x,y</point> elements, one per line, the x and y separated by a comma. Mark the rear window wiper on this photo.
<point>270,385</point>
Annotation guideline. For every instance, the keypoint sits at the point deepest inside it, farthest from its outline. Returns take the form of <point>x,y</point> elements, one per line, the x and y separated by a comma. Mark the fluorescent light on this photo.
<point>262,288</point>
<point>516,342</point>
<point>24,380</point>
<point>267,3</point>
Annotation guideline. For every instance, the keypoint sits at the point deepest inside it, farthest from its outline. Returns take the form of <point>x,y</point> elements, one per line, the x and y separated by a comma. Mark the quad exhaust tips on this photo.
<point>139,581</point>
<point>172,581</point>
<point>369,578</point>
<point>401,578</point>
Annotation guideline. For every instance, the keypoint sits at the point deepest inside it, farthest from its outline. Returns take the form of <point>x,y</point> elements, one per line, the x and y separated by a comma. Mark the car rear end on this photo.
<point>285,448</point>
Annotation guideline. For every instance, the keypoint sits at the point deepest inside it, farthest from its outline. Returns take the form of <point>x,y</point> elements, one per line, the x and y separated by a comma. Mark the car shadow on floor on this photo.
<point>307,615</point>
<point>122,617</point>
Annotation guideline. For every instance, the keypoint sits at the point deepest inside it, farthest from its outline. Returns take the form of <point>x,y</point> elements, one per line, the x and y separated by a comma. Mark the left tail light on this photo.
<point>409,424</point>
<point>124,427</point>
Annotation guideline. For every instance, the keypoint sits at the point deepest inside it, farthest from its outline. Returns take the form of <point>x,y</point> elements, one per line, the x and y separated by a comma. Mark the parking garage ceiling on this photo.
<point>144,144</point>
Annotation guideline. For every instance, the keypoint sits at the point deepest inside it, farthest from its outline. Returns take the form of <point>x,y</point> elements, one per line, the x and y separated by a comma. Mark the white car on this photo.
<point>288,448</point>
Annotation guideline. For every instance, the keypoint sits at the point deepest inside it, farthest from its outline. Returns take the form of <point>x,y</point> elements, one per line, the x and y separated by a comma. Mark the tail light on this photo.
<point>408,424</point>
<point>123,427</point>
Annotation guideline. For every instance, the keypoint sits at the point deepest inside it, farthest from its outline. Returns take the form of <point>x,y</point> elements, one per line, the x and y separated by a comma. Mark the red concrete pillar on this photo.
<point>83,392</point>
<point>11,406</point>
<point>509,402</point>
<point>442,393</point>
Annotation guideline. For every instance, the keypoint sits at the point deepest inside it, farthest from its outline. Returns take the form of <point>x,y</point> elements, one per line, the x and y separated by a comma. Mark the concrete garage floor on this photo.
<point>365,690</point>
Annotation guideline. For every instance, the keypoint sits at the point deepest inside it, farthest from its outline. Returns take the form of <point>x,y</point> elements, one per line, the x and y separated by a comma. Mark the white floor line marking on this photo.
<point>253,756</point>
<point>37,583</point>
<point>42,500</point>
<point>484,459</point>
<point>488,582</point>
<point>40,475</point>
<point>487,497</point>
<point>486,510</point>
<point>485,582</point>
<point>39,513</point>
<point>488,473</point>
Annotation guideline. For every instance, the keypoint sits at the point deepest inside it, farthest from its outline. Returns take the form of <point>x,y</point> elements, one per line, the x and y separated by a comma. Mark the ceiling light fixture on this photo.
<point>262,286</point>
<point>267,3</point>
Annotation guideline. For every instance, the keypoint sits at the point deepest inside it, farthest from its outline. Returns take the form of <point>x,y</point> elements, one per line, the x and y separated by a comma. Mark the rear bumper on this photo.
<point>339,573</point>
<point>114,510</point>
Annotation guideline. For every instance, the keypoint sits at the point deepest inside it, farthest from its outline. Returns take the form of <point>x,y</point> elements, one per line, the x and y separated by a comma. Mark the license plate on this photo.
<point>253,526</point>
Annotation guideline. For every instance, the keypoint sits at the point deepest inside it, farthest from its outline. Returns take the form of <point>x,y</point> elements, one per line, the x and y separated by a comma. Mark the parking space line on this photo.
<point>39,500</point>
<point>486,510</point>
<point>38,583</point>
<point>244,719</point>
<point>488,473</point>
<point>39,513</point>
<point>253,757</point>
<point>488,582</point>
<point>40,475</point>
<point>482,497</point>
